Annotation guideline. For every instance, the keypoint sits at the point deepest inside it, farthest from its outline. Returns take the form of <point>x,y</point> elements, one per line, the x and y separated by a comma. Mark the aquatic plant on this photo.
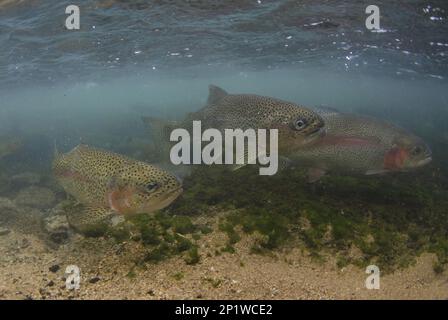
<point>164,235</point>
<point>192,256</point>
<point>389,219</point>
<point>178,276</point>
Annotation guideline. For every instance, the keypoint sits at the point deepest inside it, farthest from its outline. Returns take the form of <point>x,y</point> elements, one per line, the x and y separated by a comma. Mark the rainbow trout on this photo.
<point>106,183</point>
<point>297,125</point>
<point>361,144</point>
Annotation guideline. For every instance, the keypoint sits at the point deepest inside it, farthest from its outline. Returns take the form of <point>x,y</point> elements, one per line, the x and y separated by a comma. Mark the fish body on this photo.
<point>366,127</point>
<point>361,144</point>
<point>296,125</point>
<point>106,182</point>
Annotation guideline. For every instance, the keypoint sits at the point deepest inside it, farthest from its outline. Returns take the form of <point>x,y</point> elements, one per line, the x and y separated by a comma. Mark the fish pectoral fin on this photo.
<point>376,171</point>
<point>314,174</point>
<point>85,218</point>
<point>215,94</point>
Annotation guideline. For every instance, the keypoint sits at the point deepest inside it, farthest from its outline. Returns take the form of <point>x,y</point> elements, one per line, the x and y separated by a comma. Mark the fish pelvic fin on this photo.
<point>88,220</point>
<point>215,94</point>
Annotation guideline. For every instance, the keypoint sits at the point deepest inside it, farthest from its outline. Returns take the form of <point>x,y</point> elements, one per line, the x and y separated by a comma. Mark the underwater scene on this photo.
<point>117,179</point>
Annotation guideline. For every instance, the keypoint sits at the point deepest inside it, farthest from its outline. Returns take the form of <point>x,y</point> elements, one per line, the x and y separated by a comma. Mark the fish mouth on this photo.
<point>424,161</point>
<point>173,194</point>
<point>316,133</point>
<point>177,190</point>
<point>168,198</point>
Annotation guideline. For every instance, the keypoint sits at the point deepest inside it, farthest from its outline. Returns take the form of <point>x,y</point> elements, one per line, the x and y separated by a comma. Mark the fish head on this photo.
<point>408,152</point>
<point>302,127</point>
<point>142,188</point>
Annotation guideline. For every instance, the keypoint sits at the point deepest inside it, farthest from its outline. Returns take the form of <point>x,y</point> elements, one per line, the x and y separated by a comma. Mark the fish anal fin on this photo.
<point>314,174</point>
<point>215,94</point>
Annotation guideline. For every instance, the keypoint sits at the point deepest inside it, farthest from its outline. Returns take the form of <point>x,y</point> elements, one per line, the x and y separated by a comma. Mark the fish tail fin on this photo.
<point>160,130</point>
<point>215,94</point>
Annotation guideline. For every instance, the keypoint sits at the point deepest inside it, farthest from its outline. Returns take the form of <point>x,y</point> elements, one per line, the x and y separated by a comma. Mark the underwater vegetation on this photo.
<point>386,220</point>
<point>163,235</point>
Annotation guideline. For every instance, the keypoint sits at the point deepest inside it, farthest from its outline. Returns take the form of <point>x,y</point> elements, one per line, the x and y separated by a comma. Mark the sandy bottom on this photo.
<point>108,271</point>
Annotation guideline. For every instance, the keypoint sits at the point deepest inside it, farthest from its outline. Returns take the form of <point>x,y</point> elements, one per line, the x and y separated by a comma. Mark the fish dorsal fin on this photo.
<point>215,94</point>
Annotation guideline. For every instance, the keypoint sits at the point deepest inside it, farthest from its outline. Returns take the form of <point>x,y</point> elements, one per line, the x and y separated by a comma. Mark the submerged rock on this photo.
<point>7,209</point>
<point>36,197</point>
<point>24,219</point>
<point>4,231</point>
<point>7,205</point>
<point>57,228</point>
<point>25,179</point>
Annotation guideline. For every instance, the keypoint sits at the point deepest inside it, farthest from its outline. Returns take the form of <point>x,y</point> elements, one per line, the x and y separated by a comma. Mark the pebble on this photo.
<point>151,292</point>
<point>95,279</point>
<point>54,268</point>
<point>58,228</point>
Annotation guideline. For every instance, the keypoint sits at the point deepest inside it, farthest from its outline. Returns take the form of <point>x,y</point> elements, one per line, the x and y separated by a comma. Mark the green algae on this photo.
<point>391,219</point>
<point>215,283</point>
<point>166,236</point>
<point>163,235</point>
<point>178,276</point>
<point>192,256</point>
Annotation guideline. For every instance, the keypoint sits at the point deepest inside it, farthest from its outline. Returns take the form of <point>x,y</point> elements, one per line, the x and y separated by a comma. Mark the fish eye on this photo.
<point>416,151</point>
<point>299,124</point>
<point>152,186</point>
